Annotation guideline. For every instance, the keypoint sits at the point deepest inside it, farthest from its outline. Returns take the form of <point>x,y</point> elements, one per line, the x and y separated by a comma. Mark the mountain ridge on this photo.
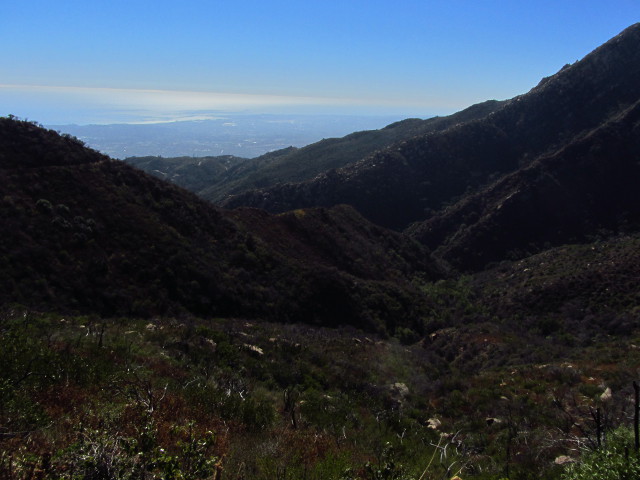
<point>411,180</point>
<point>586,187</point>
<point>297,164</point>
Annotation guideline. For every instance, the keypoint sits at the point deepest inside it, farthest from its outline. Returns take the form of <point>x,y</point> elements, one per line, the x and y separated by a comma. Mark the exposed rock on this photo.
<point>400,390</point>
<point>433,423</point>
<point>207,344</point>
<point>254,349</point>
<point>606,395</point>
<point>563,460</point>
<point>490,421</point>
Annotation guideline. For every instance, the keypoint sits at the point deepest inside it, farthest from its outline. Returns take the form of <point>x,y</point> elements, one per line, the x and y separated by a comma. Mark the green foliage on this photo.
<point>614,461</point>
<point>100,454</point>
<point>84,397</point>
<point>44,205</point>
<point>450,301</point>
<point>387,468</point>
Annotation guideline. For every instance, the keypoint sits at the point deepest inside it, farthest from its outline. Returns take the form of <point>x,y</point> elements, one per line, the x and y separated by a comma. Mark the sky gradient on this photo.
<point>136,60</point>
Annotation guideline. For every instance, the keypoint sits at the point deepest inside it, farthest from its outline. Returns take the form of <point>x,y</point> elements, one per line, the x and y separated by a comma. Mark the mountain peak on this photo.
<point>620,51</point>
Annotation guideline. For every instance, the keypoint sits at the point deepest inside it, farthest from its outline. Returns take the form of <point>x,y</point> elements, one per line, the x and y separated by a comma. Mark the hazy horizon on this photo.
<point>242,135</point>
<point>137,61</point>
<point>100,106</point>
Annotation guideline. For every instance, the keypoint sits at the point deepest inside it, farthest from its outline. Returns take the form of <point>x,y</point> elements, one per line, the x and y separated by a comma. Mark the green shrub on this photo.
<point>613,462</point>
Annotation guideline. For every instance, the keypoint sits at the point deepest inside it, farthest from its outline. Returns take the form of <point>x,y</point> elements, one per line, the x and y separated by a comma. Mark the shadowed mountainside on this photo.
<point>192,173</point>
<point>414,178</point>
<point>588,188</point>
<point>216,178</point>
<point>85,233</point>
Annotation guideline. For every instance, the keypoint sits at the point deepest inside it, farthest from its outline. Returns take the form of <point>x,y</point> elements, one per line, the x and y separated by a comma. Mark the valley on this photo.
<point>456,296</point>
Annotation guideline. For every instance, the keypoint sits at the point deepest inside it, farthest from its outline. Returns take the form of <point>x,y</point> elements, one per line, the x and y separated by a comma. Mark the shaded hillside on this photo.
<point>192,173</point>
<point>296,165</point>
<point>26,145</point>
<point>410,180</point>
<point>583,291</point>
<point>588,188</point>
<point>338,236</point>
<point>98,236</point>
<point>292,164</point>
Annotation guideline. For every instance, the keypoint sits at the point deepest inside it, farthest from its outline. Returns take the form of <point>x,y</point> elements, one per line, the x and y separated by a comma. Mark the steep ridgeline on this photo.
<point>411,180</point>
<point>297,165</point>
<point>84,233</point>
<point>585,189</point>
<point>216,178</point>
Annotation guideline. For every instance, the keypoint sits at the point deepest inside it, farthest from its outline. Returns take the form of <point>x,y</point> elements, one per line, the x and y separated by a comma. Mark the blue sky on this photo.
<point>132,60</point>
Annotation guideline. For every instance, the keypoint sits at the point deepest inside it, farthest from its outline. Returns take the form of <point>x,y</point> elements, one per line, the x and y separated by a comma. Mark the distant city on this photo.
<point>240,135</point>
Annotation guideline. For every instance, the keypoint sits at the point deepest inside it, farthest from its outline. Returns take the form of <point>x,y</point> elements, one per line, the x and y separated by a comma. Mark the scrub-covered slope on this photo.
<point>82,232</point>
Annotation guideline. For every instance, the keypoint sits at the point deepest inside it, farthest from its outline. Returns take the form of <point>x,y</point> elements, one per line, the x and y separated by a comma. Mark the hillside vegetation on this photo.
<point>514,363</point>
<point>86,234</point>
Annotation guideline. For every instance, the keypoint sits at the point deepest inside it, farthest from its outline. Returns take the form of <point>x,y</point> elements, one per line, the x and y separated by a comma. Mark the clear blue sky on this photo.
<point>411,57</point>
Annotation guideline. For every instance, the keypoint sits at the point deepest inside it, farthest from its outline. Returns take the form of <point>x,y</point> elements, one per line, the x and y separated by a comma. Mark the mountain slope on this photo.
<point>296,165</point>
<point>585,188</point>
<point>410,180</point>
<point>583,288</point>
<point>192,173</point>
<point>292,164</point>
<point>85,233</point>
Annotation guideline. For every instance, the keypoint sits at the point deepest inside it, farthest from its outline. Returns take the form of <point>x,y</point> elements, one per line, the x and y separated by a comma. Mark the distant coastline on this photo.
<point>245,136</point>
